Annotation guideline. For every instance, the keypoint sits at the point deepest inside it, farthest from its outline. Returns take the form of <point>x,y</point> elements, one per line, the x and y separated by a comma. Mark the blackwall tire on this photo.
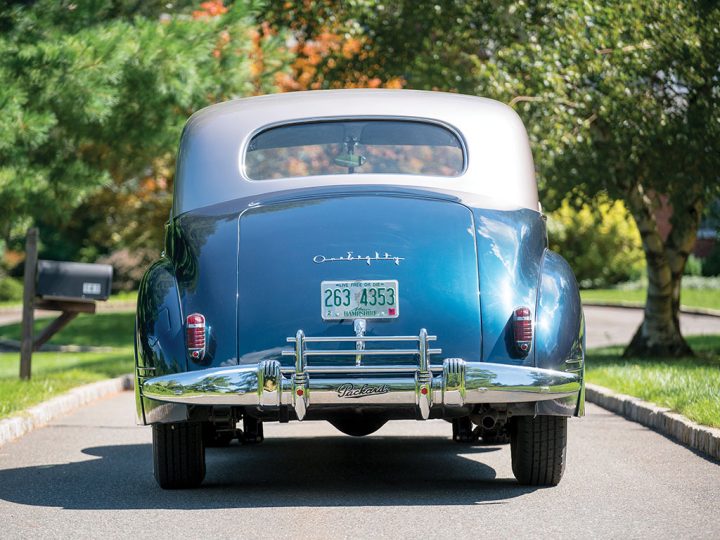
<point>178,455</point>
<point>538,448</point>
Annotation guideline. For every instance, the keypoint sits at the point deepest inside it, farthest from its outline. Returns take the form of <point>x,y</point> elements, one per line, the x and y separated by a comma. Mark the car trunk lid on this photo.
<point>287,249</point>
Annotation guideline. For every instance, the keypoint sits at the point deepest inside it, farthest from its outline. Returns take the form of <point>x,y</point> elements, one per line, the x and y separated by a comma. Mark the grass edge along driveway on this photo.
<point>54,373</point>
<point>690,386</point>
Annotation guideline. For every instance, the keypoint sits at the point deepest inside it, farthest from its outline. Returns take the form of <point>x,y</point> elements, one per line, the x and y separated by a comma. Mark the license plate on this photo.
<point>359,300</point>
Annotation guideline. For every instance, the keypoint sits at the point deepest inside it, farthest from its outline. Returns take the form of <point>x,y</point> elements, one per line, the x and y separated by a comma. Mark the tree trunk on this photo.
<point>659,334</point>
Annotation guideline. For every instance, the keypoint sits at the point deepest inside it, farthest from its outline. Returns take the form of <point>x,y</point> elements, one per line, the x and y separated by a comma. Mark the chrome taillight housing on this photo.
<point>196,336</point>
<point>522,330</point>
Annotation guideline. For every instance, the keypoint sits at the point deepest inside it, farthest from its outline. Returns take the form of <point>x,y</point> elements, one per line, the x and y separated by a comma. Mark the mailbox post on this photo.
<point>28,299</point>
<point>68,287</point>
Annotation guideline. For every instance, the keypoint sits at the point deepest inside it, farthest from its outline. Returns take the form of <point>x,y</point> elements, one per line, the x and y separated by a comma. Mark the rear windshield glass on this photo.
<point>354,147</point>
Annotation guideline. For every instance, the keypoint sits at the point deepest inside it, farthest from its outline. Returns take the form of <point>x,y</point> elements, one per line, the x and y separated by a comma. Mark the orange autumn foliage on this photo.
<point>328,50</point>
<point>212,8</point>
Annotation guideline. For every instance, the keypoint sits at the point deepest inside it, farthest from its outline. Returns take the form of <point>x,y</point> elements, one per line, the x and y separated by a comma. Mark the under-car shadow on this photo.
<point>328,471</point>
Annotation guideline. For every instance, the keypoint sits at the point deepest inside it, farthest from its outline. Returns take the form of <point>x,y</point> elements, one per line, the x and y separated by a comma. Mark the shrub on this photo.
<point>693,266</point>
<point>601,242</point>
<point>11,289</point>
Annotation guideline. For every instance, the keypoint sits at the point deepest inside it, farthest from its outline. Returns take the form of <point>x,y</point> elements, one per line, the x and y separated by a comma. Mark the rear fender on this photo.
<point>159,340</point>
<point>510,247</point>
<point>560,329</point>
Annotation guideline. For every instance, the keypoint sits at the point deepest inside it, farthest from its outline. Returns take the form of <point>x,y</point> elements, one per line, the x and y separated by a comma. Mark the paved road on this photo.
<point>90,475</point>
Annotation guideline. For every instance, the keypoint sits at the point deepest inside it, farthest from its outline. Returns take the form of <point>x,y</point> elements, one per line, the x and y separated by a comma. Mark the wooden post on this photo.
<point>70,309</point>
<point>53,328</point>
<point>26,345</point>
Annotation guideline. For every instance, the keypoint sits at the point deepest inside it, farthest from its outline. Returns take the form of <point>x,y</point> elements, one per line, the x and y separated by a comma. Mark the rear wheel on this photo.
<point>538,446</point>
<point>178,455</point>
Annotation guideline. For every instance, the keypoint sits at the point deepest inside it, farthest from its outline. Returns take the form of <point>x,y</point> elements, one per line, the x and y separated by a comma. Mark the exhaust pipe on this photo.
<point>487,419</point>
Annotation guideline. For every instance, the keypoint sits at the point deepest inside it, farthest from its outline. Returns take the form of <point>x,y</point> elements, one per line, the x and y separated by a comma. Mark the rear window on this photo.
<point>354,147</point>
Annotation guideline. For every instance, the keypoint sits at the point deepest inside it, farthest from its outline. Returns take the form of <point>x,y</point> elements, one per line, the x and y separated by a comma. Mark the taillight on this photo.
<point>195,335</point>
<point>522,329</point>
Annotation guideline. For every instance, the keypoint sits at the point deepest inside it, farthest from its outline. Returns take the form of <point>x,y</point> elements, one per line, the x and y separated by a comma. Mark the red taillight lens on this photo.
<point>522,329</point>
<point>195,335</point>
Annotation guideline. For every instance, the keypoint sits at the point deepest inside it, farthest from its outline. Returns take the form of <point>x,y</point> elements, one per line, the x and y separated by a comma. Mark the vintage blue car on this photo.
<point>358,256</point>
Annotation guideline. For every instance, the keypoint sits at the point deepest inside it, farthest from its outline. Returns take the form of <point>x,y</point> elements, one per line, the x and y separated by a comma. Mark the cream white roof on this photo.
<point>499,163</point>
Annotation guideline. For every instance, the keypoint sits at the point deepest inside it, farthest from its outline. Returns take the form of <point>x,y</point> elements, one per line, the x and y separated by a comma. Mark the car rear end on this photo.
<point>358,302</point>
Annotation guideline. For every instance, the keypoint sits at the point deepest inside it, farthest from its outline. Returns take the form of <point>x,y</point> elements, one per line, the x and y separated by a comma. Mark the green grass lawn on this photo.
<point>99,330</point>
<point>690,386</point>
<point>54,372</point>
<point>697,298</point>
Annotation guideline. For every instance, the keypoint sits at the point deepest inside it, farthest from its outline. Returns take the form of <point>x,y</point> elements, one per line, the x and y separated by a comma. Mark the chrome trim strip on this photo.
<point>364,370</point>
<point>349,339</point>
<point>300,393</point>
<point>366,352</point>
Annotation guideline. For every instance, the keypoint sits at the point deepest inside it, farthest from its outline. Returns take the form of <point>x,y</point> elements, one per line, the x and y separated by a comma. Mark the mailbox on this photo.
<point>73,281</point>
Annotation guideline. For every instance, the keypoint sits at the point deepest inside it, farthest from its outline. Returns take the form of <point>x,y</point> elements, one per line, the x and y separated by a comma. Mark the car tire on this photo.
<point>178,455</point>
<point>538,447</point>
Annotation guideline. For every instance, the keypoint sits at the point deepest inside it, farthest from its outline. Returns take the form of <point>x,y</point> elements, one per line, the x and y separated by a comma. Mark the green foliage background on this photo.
<point>621,98</point>
<point>602,242</point>
<point>94,95</point>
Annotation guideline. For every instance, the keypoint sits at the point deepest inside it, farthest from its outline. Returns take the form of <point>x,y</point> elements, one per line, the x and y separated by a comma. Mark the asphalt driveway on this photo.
<point>89,475</point>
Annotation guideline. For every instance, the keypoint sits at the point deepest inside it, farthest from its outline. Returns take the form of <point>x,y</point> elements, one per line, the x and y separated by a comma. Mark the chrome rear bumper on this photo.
<point>458,383</point>
<point>455,383</point>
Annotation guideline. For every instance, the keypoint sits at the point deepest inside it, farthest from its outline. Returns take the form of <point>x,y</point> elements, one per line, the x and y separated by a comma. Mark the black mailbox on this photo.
<point>73,281</point>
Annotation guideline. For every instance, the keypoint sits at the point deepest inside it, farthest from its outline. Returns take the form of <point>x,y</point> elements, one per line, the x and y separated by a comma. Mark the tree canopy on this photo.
<point>95,94</point>
<point>621,99</point>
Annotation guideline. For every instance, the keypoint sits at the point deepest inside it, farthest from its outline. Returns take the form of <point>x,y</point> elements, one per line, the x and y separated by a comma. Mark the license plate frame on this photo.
<point>359,299</point>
